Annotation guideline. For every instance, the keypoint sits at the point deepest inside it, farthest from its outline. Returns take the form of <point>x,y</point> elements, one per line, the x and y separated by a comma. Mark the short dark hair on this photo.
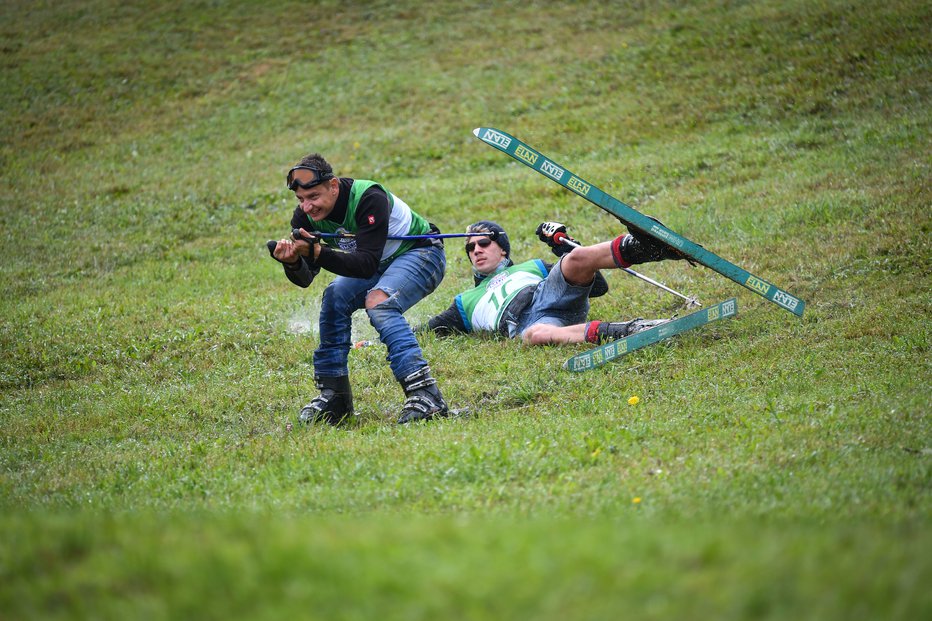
<point>317,162</point>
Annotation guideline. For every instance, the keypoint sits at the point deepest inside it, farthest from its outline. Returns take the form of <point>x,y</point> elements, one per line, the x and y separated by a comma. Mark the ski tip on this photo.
<point>476,131</point>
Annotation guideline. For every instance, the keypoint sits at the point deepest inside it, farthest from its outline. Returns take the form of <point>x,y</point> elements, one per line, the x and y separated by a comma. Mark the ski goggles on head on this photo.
<point>483,242</point>
<point>306,177</point>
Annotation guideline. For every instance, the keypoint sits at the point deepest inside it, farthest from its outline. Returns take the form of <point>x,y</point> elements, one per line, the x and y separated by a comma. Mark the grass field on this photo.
<point>152,355</point>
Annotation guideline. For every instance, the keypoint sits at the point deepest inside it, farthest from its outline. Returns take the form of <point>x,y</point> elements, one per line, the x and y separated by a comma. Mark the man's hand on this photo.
<point>290,249</point>
<point>284,251</point>
<point>306,244</point>
<point>553,234</point>
<point>300,235</point>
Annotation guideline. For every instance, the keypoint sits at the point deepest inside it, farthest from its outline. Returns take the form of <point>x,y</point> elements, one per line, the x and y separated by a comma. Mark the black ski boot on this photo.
<point>332,405</point>
<point>639,247</point>
<point>424,400</point>
<point>613,331</point>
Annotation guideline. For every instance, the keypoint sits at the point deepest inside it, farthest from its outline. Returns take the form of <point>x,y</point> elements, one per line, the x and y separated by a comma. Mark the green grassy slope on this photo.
<point>151,354</point>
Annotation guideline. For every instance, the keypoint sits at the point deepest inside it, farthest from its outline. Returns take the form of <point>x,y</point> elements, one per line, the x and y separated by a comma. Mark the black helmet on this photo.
<point>487,226</point>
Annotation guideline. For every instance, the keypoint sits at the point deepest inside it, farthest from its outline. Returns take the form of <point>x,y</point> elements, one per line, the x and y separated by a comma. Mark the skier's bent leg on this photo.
<point>546,334</point>
<point>580,265</point>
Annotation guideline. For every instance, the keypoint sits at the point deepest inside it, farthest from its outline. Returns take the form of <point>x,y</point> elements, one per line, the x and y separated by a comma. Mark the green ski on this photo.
<point>598,356</point>
<point>635,219</point>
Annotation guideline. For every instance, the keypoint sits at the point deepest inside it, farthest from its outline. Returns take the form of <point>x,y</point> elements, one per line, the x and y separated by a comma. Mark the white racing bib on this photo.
<point>501,289</point>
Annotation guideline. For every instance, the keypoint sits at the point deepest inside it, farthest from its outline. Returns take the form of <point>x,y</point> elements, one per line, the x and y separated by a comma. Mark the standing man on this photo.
<point>541,303</point>
<point>386,277</point>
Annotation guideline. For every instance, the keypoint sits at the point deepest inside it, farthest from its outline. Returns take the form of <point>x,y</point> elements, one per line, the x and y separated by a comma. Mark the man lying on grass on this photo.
<point>537,301</point>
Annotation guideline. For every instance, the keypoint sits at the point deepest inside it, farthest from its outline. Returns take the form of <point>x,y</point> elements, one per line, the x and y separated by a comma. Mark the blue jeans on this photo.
<point>406,280</point>
<point>556,303</point>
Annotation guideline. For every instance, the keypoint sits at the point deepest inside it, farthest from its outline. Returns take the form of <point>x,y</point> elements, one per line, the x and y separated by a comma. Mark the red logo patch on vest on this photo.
<point>371,219</point>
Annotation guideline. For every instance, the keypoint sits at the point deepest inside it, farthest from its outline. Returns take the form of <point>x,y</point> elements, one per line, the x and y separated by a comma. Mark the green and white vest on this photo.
<point>402,221</point>
<point>481,308</point>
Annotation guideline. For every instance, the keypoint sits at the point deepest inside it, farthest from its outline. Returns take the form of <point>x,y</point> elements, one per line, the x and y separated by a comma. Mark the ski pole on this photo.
<point>492,235</point>
<point>691,301</point>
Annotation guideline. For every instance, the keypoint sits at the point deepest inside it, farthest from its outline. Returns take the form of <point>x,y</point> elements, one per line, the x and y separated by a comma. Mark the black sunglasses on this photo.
<point>306,177</point>
<point>485,242</point>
